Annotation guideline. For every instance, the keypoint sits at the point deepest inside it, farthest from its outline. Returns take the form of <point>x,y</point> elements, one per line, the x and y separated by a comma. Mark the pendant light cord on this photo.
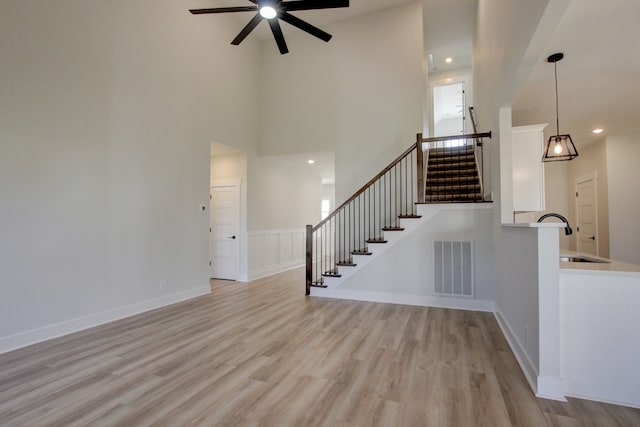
<point>555,68</point>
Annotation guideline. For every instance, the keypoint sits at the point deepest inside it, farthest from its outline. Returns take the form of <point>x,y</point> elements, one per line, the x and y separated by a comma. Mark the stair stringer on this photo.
<point>336,286</point>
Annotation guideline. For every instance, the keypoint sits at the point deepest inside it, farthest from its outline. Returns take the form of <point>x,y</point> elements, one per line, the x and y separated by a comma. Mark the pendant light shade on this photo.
<point>559,147</point>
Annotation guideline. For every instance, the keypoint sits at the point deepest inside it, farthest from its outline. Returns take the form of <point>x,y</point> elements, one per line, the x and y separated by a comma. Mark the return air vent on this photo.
<point>453,268</point>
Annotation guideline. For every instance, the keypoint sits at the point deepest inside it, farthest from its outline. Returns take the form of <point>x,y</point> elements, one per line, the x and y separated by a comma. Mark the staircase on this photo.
<point>452,175</point>
<point>393,203</point>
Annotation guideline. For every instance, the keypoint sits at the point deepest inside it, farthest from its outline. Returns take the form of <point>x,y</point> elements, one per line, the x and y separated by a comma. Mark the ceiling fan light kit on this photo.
<point>274,11</point>
<point>558,147</point>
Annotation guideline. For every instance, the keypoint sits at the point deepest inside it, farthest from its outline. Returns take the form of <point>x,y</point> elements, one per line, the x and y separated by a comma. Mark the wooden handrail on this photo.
<point>395,162</point>
<point>456,137</point>
<point>473,119</point>
<point>367,185</point>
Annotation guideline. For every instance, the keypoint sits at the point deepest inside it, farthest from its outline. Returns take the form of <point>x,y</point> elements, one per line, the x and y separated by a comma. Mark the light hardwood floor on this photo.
<point>263,354</point>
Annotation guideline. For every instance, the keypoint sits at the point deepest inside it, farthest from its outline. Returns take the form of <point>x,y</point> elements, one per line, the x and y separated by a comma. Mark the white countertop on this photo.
<point>535,224</point>
<point>609,267</point>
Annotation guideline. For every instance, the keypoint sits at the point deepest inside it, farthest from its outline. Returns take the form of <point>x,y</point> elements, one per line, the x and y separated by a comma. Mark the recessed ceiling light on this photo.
<point>311,161</point>
<point>598,130</point>
<point>448,60</point>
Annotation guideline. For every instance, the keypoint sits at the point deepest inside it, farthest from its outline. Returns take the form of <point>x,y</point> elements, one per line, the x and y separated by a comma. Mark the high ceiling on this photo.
<point>598,77</point>
<point>449,24</point>
<point>318,17</point>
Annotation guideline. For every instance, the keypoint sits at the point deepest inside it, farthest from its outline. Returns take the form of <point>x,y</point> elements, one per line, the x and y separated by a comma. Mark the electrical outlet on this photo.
<point>163,284</point>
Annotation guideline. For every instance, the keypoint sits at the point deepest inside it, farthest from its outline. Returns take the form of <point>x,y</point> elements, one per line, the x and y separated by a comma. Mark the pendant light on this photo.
<point>559,147</point>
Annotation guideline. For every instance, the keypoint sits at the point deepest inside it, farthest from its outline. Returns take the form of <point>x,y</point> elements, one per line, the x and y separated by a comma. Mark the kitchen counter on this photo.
<point>609,267</point>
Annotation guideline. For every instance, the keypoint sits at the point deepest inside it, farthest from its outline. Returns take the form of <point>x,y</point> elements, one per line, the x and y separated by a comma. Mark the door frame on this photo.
<point>591,176</point>
<point>234,182</point>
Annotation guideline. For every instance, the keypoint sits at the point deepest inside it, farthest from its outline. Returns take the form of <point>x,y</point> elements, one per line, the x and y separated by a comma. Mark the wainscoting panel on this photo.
<point>274,251</point>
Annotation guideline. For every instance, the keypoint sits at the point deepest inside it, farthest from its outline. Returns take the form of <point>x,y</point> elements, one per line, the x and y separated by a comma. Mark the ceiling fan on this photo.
<point>273,11</point>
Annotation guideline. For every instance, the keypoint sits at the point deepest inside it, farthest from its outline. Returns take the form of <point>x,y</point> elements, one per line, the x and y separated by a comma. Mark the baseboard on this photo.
<point>271,270</point>
<point>551,388</point>
<point>527,367</point>
<point>405,299</point>
<point>23,339</point>
<point>598,399</point>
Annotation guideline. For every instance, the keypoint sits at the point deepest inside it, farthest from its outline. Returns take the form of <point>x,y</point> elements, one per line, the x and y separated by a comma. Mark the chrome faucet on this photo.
<point>567,230</point>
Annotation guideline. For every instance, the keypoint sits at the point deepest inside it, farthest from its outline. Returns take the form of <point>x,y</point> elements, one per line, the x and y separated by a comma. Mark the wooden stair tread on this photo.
<point>361,252</point>
<point>318,284</point>
<point>376,241</point>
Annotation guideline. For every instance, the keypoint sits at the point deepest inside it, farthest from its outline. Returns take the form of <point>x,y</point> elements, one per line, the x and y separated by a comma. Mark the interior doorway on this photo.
<point>224,229</point>
<point>587,215</point>
<point>449,108</point>
<point>228,213</point>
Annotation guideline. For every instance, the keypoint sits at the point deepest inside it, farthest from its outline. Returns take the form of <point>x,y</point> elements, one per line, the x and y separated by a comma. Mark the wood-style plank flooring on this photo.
<point>263,354</point>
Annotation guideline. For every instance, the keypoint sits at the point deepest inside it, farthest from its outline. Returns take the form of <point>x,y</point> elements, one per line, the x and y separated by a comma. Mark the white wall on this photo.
<point>229,166</point>
<point>282,196</point>
<point>415,254</point>
<point>362,93</point>
<point>283,199</point>
<point>623,201</point>
<point>510,39</point>
<point>106,113</point>
<point>517,299</point>
<point>556,193</point>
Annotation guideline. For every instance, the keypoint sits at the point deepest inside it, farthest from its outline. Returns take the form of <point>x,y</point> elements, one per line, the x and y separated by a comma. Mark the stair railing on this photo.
<point>478,150</point>
<point>377,206</point>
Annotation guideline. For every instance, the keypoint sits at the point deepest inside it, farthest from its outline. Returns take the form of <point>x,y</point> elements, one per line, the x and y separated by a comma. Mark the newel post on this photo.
<point>420,168</point>
<point>309,260</point>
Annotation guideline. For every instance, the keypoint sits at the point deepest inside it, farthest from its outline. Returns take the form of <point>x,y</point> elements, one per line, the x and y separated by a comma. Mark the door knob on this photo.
<point>592,237</point>
<point>232,237</point>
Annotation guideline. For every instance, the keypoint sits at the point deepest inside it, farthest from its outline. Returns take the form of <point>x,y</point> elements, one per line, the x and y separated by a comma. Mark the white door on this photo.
<point>224,241</point>
<point>586,208</point>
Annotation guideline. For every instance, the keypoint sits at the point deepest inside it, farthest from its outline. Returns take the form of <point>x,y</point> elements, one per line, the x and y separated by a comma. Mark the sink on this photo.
<point>565,258</point>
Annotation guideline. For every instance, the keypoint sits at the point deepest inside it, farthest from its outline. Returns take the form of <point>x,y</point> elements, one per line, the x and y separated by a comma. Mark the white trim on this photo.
<point>405,299</point>
<point>551,388</point>
<point>527,367</point>
<point>23,339</point>
<point>231,182</point>
<point>599,399</point>
<point>280,244</point>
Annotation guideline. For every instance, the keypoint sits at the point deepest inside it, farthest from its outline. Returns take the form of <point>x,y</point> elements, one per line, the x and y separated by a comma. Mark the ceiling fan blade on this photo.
<point>277,34</point>
<point>314,4</point>
<point>305,26</point>
<point>247,29</point>
<point>224,10</point>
